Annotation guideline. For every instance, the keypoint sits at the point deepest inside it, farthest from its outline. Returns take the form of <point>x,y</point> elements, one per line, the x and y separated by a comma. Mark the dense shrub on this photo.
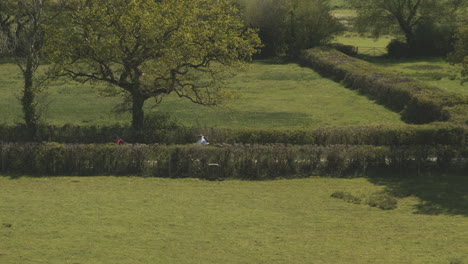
<point>430,40</point>
<point>257,162</point>
<point>383,201</point>
<point>348,197</point>
<point>286,27</point>
<point>418,103</point>
<point>398,49</point>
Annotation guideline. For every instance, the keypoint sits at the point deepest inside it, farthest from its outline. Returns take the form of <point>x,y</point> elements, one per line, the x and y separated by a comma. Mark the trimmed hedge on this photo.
<point>254,162</point>
<point>417,102</point>
<point>434,134</point>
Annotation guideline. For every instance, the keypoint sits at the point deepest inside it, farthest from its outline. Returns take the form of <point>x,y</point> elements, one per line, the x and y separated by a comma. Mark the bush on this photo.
<point>398,49</point>
<point>383,201</point>
<point>346,197</point>
<point>288,27</point>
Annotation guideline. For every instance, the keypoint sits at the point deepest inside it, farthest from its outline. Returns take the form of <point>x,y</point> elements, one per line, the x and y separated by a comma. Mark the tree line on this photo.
<point>148,49</point>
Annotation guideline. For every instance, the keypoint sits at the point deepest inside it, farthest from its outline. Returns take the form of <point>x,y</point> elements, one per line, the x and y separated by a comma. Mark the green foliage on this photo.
<point>380,200</point>
<point>383,201</point>
<point>348,197</point>
<point>398,49</point>
<point>460,53</point>
<point>306,31</point>
<point>418,103</point>
<point>253,162</point>
<point>164,131</point>
<point>286,27</point>
<point>149,49</point>
<point>427,26</point>
<point>307,101</point>
<point>22,27</point>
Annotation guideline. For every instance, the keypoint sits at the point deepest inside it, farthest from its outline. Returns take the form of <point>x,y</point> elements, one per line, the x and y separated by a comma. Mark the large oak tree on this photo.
<point>148,49</point>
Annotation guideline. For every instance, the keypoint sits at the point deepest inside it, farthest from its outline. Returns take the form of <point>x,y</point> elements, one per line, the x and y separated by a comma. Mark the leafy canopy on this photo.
<point>149,48</point>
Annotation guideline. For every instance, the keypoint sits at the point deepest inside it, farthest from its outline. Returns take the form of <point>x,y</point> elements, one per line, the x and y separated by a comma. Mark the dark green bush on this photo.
<point>398,49</point>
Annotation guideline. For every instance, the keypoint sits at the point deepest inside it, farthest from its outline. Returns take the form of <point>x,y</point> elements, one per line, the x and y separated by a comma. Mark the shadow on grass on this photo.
<point>438,194</point>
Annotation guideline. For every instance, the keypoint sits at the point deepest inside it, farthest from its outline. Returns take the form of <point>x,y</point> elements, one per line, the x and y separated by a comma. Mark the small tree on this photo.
<point>22,36</point>
<point>148,49</point>
<point>312,24</point>
<point>271,19</point>
<point>287,26</point>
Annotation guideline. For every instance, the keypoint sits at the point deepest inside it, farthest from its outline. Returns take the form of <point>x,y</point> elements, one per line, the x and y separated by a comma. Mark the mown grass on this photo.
<point>150,220</point>
<point>274,94</point>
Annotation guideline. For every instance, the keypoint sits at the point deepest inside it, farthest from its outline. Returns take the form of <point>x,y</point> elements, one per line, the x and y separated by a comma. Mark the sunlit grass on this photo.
<point>363,41</point>
<point>273,95</point>
<point>149,220</point>
<point>434,71</point>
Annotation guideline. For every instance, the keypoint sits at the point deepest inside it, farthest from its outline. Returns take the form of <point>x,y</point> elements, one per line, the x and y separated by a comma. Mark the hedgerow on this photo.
<point>417,102</point>
<point>254,162</point>
<point>434,134</point>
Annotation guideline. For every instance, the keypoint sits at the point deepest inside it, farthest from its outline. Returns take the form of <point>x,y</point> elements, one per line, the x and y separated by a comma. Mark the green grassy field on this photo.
<point>150,220</point>
<point>273,95</point>
<point>434,71</point>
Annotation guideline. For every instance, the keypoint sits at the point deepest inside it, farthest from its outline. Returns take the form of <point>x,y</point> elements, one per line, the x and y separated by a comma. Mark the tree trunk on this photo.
<point>408,31</point>
<point>137,111</point>
<point>27,101</point>
<point>409,36</point>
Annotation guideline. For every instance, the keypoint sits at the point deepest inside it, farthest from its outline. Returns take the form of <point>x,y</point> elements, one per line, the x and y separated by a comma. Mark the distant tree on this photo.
<point>311,24</point>
<point>287,26</point>
<point>148,49</point>
<point>460,53</point>
<point>406,16</point>
<point>271,19</point>
<point>22,37</point>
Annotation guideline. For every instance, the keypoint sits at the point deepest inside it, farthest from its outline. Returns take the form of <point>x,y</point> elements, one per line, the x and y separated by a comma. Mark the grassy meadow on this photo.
<point>273,94</point>
<point>150,220</point>
<point>154,220</point>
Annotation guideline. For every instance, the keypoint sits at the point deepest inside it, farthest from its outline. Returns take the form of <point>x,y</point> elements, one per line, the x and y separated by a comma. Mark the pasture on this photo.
<point>150,220</point>
<point>157,220</point>
<point>273,94</point>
